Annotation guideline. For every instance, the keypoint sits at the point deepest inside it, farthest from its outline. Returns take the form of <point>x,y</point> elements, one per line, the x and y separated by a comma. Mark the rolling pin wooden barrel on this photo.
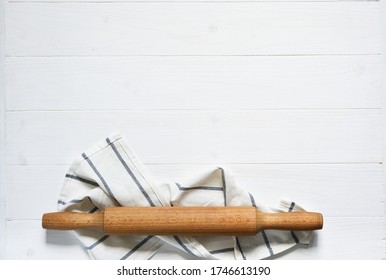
<point>193,221</point>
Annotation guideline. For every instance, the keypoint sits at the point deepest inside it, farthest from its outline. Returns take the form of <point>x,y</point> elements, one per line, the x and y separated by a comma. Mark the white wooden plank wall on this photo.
<point>287,94</point>
<point>2,134</point>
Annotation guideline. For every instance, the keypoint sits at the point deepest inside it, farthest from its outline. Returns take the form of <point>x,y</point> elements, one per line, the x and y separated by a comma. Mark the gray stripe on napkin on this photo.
<point>223,185</point>
<point>100,177</point>
<point>98,242</point>
<point>179,241</point>
<point>206,188</point>
<point>139,245</point>
<point>267,242</point>
<point>219,251</point>
<point>240,249</point>
<point>296,239</point>
<point>82,180</point>
<point>130,172</point>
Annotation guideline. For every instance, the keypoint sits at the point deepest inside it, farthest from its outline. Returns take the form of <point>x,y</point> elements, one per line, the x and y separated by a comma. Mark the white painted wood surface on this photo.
<point>232,28</point>
<point>201,136</point>
<point>2,134</point>
<point>288,95</point>
<point>261,82</point>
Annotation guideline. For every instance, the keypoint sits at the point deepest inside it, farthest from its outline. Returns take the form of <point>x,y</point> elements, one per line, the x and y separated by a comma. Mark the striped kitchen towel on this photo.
<point>110,175</point>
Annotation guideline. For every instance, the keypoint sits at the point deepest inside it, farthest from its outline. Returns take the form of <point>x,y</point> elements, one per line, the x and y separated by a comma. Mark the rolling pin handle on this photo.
<point>72,221</point>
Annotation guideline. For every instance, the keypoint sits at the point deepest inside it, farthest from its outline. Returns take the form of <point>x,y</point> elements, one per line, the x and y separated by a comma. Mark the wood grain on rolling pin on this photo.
<point>183,221</point>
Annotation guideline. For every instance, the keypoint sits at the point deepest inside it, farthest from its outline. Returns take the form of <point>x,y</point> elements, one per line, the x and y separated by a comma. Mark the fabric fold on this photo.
<point>110,174</point>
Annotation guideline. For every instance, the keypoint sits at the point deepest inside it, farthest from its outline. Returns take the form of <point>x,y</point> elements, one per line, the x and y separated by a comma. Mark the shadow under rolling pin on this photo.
<point>194,221</point>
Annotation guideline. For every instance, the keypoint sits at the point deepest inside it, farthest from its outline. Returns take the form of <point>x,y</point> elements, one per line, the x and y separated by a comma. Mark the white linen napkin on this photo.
<point>109,174</point>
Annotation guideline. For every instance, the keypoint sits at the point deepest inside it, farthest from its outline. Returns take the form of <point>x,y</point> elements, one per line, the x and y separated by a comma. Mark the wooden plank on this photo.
<point>383,30</point>
<point>349,190</point>
<point>2,134</point>
<point>27,240</point>
<point>25,186</point>
<point>342,238</point>
<point>260,82</point>
<point>248,28</point>
<point>200,136</point>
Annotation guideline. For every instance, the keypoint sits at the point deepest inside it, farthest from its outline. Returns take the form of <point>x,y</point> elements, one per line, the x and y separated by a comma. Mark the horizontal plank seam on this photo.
<point>217,163</point>
<point>194,55</point>
<point>179,110</point>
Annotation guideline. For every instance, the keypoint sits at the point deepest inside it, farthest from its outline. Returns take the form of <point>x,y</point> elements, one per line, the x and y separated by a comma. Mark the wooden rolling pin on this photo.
<point>193,221</point>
